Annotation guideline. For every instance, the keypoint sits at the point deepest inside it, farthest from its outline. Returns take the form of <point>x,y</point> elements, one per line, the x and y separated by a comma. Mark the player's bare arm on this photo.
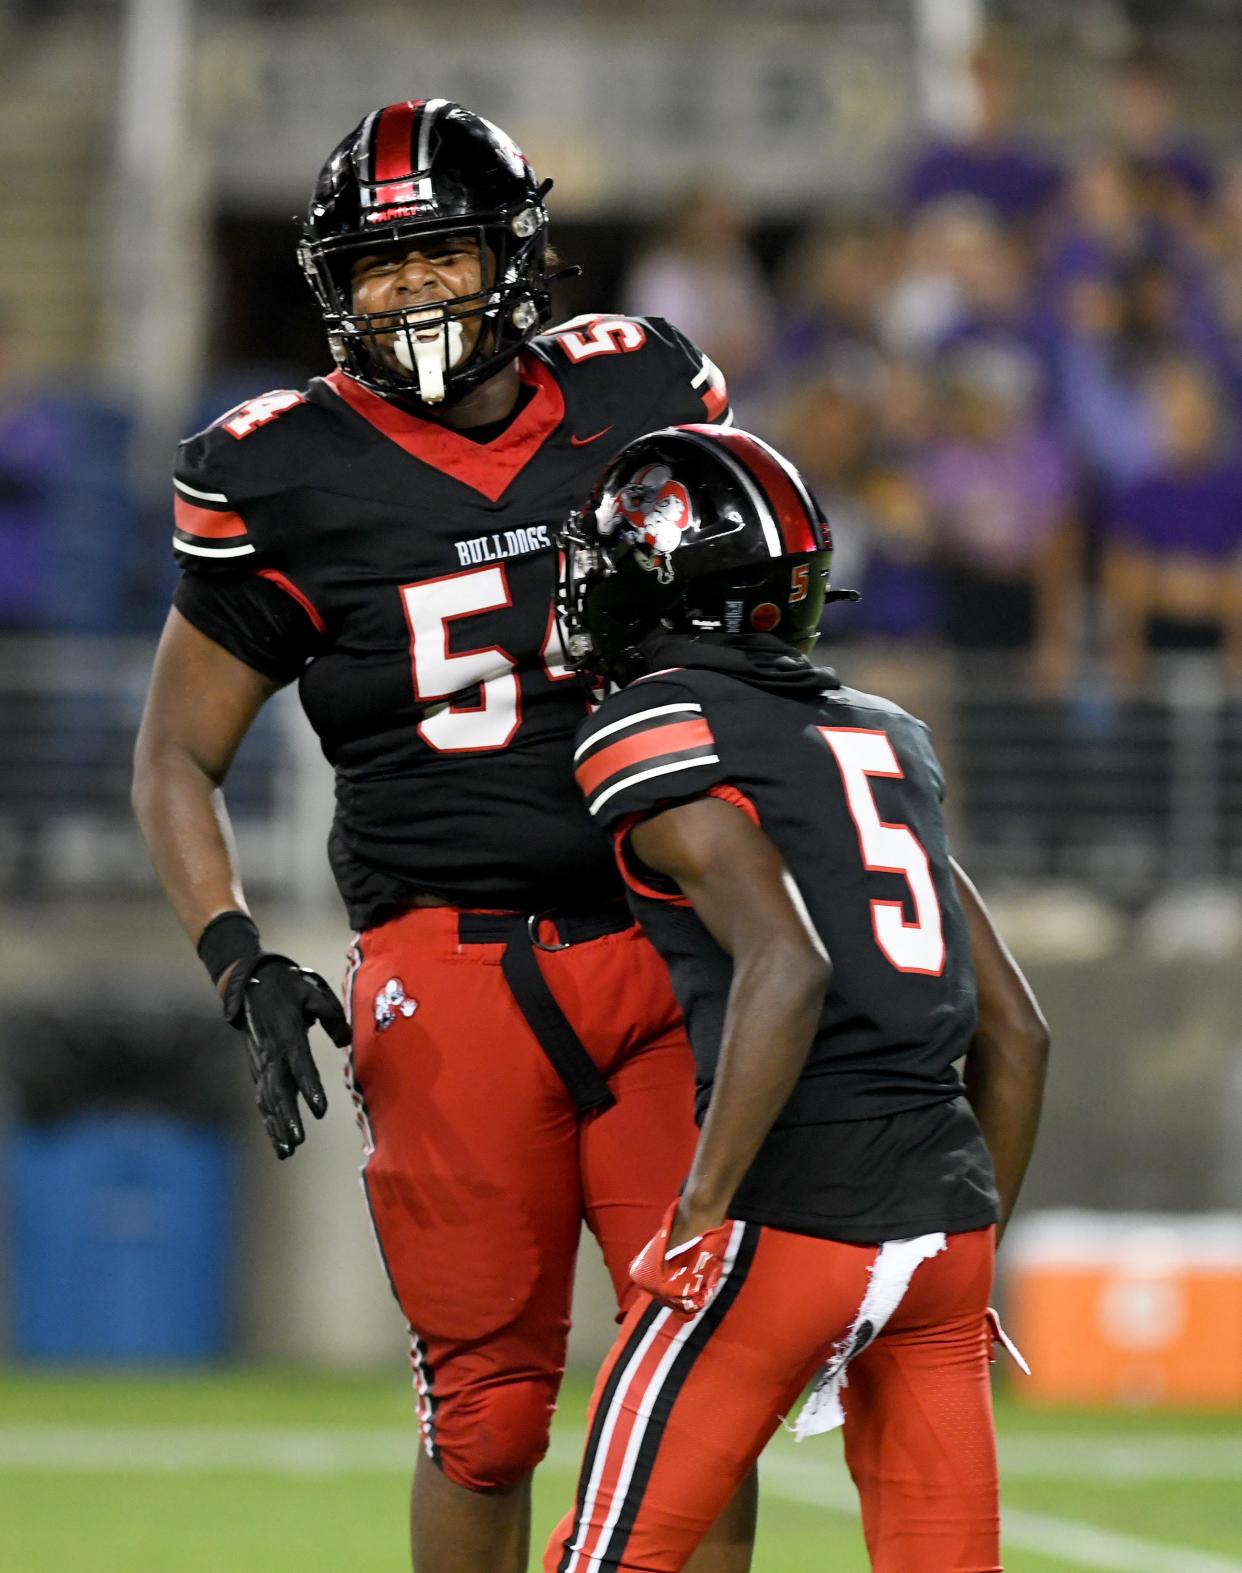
<point>201,703</point>
<point>1008,1059</point>
<point>737,882</point>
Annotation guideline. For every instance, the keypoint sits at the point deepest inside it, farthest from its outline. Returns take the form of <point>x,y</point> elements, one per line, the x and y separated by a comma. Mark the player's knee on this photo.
<point>494,1437</point>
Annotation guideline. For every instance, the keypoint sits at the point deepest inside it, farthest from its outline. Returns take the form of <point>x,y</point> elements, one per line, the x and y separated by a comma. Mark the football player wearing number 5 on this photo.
<point>782,841</point>
<point>385,538</point>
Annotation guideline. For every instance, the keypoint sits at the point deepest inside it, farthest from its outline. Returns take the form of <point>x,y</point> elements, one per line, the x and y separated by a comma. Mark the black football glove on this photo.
<point>273,1001</point>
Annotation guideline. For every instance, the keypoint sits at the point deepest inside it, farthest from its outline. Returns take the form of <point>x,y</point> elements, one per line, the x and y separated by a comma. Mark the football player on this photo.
<point>384,537</point>
<point>782,843</point>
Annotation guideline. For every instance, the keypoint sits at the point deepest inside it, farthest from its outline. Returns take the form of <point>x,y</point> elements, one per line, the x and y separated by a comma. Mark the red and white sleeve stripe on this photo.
<point>618,758</point>
<point>206,525</point>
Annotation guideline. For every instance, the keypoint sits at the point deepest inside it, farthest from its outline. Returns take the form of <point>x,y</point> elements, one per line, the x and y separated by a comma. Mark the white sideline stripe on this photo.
<point>340,1451</point>
<point>1104,1548</point>
<point>1050,1456</point>
<point>631,720</point>
<point>193,491</point>
<point>1054,1457</point>
<point>1083,1544</point>
<point>208,1449</point>
<point>646,775</point>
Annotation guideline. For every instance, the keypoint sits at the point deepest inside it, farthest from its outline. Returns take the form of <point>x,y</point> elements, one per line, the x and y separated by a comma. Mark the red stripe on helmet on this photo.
<point>394,142</point>
<point>800,529</point>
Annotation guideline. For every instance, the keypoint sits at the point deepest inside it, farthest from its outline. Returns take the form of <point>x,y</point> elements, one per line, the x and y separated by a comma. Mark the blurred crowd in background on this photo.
<point>1015,384</point>
<point>1009,361</point>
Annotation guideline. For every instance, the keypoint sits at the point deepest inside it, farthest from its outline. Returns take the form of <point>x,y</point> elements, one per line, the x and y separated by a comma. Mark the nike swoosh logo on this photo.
<point>581,442</point>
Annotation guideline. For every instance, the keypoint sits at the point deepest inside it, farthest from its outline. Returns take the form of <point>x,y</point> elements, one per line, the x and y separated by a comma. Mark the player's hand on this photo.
<point>273,1002</point>
<point>683,1276</point>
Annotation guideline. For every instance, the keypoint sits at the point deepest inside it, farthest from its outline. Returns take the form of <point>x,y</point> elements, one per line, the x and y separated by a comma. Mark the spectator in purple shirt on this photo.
<point>996,307</point>
<point>1171,575</point>
<point>1101,226</point>
<point>1173,172</point>
<point>1126,291</point>
<point>998,489</point>
<point>1224,240</point>
<point>849,443</point>
<point>700,269</point>
<point>996,163</point>
<point>829,288</point>
<point>858,443</point>
<point>1226,244</point>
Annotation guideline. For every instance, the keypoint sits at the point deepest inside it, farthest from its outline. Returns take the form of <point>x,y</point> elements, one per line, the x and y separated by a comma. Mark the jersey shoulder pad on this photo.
<point>249,453</point>
<point>686,384</point>
<point>694,376</point>
<point>648,745</point>
<point>857,699</point>
<point>907,729</point>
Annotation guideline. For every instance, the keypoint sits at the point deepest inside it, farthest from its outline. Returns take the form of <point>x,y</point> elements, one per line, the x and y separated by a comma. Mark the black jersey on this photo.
<point>403,573</point>
<point>848,788</point>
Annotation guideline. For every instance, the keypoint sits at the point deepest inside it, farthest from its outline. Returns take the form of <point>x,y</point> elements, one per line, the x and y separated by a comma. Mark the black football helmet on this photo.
<point>693,528</point>
<point>410,172</point>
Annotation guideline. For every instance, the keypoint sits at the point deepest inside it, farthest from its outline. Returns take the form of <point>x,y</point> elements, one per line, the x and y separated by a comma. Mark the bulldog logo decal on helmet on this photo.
<point>659,512</point>
<point>694,529</point>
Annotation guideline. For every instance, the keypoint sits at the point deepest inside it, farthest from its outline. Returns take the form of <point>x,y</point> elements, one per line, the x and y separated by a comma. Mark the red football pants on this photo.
<point>683,1408</point>
<point>480,1169</point>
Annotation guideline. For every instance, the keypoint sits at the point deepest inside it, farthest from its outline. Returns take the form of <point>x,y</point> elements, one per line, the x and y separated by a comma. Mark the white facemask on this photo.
<point>429,353</point>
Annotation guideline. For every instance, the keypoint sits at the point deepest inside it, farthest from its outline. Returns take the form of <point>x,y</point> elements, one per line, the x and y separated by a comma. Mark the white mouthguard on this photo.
<point>424,354</point>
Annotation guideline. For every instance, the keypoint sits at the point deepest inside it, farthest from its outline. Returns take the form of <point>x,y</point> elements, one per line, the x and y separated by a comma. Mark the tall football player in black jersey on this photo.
<point>782,841</point>
<point>384,537</point>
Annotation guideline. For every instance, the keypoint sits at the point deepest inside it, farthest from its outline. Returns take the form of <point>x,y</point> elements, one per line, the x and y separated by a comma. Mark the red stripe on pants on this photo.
<point>918,1424</point>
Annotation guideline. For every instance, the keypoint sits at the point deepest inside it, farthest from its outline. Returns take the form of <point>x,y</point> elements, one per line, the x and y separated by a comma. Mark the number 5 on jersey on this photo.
<point>431,605</point>
<point>889,849</point>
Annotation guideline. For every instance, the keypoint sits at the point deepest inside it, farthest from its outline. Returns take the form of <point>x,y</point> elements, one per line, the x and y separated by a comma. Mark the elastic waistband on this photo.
<point>550,930</point>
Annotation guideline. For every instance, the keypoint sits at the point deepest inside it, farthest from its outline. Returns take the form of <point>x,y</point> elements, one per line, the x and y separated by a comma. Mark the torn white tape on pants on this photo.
<point>890,1276</point>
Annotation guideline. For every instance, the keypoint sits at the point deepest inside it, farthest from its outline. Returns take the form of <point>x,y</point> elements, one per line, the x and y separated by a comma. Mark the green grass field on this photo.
<point>261,1471</point>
